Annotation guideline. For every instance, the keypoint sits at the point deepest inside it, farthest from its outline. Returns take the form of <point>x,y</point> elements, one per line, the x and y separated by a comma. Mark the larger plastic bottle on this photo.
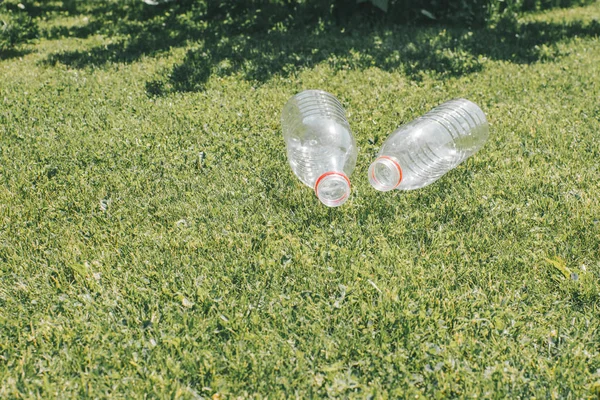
<point>422,151</point>
<point>320,147</point>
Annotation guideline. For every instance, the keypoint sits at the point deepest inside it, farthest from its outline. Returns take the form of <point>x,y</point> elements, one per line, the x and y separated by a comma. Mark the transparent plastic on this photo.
<point>422,151</point>
<point>320,147</point>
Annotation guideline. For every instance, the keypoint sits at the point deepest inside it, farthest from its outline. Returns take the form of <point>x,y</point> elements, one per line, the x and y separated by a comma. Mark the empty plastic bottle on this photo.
<point>422,151</point>
<point>320,147</point>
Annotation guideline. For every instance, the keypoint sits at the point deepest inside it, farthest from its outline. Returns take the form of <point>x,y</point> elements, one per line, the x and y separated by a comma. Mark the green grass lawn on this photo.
<point>155,243</point>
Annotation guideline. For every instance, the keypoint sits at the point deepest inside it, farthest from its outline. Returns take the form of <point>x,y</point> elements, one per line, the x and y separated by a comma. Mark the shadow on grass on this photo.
<point>265,46</point>
<point>81,32</point>
<point>446,51</point>
<point>13,53</point>
<point>42,8</point>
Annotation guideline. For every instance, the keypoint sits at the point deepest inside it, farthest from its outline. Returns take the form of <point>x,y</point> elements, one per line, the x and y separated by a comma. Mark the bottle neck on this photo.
<point>333,188</point>
<point>385,173</point>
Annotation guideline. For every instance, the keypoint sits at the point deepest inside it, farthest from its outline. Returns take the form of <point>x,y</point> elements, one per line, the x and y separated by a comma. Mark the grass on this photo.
<point>155,243</point>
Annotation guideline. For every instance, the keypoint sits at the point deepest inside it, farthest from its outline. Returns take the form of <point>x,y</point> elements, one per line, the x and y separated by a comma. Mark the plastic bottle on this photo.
<point>320,147</point>
<point>422,151</point>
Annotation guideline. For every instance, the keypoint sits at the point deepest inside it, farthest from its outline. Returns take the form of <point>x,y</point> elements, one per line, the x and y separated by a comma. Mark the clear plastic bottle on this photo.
<point>320,147</point>
<point>422,151</point>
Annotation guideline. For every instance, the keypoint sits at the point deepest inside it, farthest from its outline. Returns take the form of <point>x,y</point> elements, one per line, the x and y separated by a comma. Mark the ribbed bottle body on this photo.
<point>427,148</point>
<point>319,141</point>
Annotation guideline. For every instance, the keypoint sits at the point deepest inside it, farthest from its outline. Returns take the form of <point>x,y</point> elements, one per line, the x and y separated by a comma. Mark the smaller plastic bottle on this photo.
<point>422,151</point>
<point>320,147</point>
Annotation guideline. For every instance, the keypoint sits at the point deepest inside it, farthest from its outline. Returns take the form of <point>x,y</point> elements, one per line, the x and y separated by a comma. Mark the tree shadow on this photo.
<point>42,8</point>
<point>77,31</point>
<point>446,51</point>
<point>136,29</point>
<point>524,43</point>
<point>13,53</point>
<point>263,42</point>
<point>147,42</point>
